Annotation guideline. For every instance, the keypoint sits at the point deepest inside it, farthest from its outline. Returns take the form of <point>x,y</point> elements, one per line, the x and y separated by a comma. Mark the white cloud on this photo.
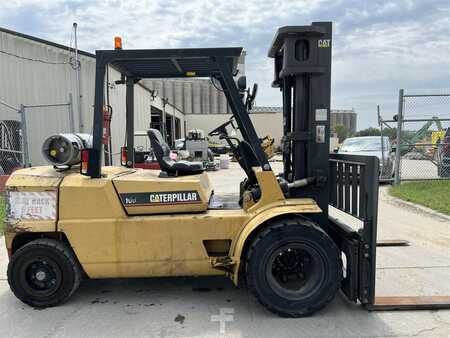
<point>379,46</point>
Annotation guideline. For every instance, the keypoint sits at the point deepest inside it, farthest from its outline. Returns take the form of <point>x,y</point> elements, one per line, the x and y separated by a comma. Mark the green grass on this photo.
<point>2,214</point>
<point>432,194</point>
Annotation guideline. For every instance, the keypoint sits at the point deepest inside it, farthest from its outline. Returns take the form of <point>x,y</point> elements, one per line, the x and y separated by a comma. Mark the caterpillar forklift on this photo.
<point>276,236</point>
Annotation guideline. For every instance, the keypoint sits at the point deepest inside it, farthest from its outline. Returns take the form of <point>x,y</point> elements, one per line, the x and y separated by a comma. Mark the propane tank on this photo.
<point>65,149</point>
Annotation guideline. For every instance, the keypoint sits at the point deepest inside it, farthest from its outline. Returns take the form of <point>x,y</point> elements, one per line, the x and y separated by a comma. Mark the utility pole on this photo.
<point>78,80</point>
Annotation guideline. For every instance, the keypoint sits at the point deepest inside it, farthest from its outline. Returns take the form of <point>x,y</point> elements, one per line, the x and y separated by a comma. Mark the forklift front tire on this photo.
<point>293,268</point>
<point>44,273</point>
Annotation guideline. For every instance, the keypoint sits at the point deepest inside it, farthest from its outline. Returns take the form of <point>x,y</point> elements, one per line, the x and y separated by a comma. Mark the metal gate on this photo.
<point>21,139</point>
<point>422,141</point>
<point>40,121</point>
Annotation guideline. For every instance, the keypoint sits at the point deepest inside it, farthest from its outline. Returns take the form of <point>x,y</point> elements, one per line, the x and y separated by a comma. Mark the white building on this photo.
<point>37,72</point>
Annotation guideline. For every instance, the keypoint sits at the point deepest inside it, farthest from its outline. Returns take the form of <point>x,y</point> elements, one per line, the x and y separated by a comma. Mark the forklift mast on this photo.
<point>302,58</point>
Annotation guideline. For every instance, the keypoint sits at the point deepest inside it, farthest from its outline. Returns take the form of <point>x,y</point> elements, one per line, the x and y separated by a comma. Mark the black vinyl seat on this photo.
<point>162,154</point>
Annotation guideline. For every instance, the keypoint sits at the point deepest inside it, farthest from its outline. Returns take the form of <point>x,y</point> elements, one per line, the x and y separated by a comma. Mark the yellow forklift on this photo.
<point>97,221</point>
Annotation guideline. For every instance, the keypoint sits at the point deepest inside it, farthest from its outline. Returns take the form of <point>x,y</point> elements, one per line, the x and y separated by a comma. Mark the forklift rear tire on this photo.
<point>44,273</point>
<point>293,268</point>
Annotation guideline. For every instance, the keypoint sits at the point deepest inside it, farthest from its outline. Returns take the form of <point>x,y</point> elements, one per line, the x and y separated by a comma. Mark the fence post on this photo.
<point>399,135</point>
<point>382,141</point>
<point>23,123</point>
<point>70,110</point>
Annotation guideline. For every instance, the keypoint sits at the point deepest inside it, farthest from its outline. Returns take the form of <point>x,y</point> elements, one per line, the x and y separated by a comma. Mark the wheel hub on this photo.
<point>41,275</point>
<point>293,270</point>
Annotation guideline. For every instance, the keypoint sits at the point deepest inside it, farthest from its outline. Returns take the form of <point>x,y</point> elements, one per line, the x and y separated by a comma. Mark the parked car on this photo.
<point>443,156</point>
<point>371,146</point>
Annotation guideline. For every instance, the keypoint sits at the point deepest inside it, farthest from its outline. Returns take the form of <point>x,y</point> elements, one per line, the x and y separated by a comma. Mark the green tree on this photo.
<point>342,132</point>
<point>369,132</point>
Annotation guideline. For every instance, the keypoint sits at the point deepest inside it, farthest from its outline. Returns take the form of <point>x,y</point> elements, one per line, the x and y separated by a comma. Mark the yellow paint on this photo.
<point>111,241</point>
<point>270,189</point>
<point>149,181</point>
<point>267,144</point>
<point>437,136</point>
<point>290,206</point>
<point>9,236</point>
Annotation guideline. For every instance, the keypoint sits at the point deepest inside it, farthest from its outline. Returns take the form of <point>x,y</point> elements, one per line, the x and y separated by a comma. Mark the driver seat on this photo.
<point>162,154</point>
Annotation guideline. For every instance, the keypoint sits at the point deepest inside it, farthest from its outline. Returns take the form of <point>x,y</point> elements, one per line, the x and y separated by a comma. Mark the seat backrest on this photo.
<point>161,149</point>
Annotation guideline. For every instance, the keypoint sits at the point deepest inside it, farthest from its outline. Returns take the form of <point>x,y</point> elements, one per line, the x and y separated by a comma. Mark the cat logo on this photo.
<point>324,43</point>
<point>160,198</point>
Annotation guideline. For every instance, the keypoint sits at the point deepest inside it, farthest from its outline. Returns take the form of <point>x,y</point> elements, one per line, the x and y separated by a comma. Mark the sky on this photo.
<point>378,46</point>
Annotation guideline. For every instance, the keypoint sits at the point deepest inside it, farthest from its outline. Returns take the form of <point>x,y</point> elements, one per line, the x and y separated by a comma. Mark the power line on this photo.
<point>35,60</point>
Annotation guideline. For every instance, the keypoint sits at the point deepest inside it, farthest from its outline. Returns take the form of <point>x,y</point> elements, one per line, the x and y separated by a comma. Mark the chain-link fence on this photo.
<point>39,122</point>
<point>11,142</point>
<point>422,149</point>
<point>21,139</point>
<point>11,153</point>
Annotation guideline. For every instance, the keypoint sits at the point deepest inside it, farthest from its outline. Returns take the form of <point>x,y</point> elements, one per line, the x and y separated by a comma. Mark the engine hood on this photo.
<point>48,178</point>
<point>30,179</point>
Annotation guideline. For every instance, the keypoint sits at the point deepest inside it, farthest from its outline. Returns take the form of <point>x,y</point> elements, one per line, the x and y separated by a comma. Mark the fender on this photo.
<point>291,206</point>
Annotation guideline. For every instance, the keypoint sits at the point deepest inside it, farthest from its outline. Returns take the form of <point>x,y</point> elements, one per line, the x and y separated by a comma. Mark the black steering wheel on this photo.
<point>222,129</point>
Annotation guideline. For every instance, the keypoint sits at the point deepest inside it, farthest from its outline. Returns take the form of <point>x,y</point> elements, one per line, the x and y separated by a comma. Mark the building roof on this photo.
<point>266,109</point>
<point>46,42</point>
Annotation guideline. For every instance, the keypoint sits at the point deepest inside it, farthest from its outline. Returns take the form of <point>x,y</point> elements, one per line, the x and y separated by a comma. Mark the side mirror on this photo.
<point>336,150</point>
<point>242,83</point>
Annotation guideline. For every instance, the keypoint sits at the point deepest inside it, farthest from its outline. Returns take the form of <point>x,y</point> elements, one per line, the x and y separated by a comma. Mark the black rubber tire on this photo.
<point>297,232</point>
<point>64,259</point>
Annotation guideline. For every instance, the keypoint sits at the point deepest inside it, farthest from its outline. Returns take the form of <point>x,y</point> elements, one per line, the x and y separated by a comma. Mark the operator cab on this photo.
<point>178,177</point>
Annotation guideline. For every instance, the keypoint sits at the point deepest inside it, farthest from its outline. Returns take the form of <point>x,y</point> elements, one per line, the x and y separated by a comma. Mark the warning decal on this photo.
<point>32,205</point>
<point>160,198</point>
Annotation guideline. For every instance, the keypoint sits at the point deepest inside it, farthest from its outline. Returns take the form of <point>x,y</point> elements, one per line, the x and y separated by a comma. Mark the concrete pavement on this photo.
<point>195,307</point>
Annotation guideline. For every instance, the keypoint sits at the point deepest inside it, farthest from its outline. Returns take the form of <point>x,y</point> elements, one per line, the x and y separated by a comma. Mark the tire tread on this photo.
<point>278,225</point>
<point>62,249</point>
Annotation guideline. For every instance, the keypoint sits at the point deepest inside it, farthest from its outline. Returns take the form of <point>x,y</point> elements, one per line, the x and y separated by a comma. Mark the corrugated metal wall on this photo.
<point>33,83</point>
<point>191,96</point>
<point>143,102</point>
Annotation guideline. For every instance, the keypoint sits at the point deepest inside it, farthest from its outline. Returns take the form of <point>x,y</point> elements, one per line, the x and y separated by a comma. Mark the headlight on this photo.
<point>26,205</point>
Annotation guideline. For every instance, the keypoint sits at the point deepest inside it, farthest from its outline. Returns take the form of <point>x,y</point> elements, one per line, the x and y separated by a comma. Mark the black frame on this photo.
<point>219,63</point>
<point>302,64</point>
<point>354,190</point>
